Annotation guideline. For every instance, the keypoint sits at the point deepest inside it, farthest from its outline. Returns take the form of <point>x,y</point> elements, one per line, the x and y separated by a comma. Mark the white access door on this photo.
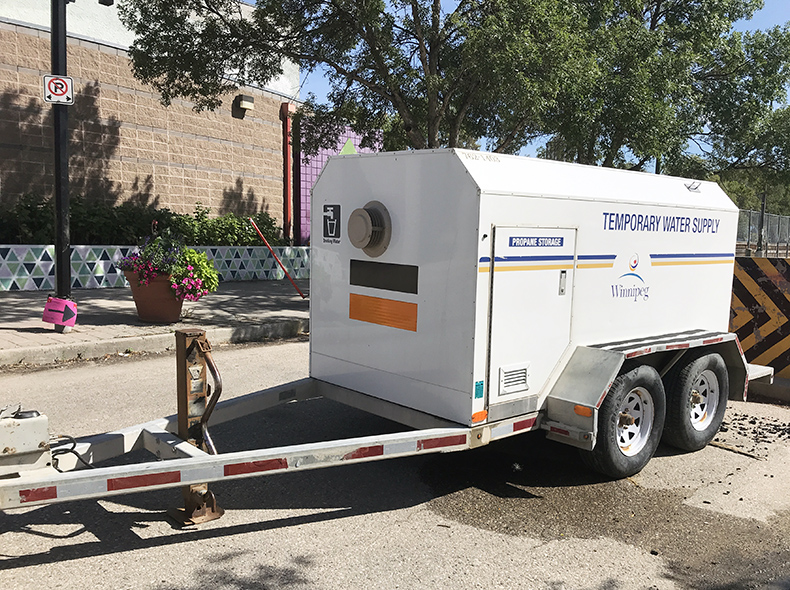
<point>532,291</point>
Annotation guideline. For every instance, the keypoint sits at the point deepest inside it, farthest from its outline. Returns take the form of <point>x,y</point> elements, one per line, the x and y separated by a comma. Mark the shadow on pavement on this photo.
<point>338,492</point>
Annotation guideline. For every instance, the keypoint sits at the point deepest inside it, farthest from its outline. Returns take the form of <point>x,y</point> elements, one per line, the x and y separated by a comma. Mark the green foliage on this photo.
<point>620,83</point>
<point>428,72</point>
<point>670,79</point>
<point>746,188</point>
<point>196,45</point>
<point>227,230</point>
<point>156,255</point>
<point>31,220</point>
<point>194,275</point>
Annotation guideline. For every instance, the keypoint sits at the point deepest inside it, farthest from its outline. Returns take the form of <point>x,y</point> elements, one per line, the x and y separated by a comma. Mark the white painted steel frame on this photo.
<point>184,464</point>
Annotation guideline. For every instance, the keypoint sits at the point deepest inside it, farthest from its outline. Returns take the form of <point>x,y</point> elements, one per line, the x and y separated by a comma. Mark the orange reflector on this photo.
<point>479,416</point>
<point>384,312</point>
<point>583,411</point>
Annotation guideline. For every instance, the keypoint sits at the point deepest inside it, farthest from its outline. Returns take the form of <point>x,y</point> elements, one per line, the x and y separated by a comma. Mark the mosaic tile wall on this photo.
<point>257,263</point>
<point>32,268</point>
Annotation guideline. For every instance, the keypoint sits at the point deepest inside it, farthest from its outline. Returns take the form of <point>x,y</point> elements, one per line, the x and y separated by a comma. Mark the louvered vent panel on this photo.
<point>513,379</point>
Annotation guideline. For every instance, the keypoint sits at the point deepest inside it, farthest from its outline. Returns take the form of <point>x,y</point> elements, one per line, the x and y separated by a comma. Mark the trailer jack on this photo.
<point>200,506</point>
<point>193,357</point>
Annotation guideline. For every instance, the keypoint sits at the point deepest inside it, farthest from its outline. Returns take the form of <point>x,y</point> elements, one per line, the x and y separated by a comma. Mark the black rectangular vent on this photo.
<point>384,275</point>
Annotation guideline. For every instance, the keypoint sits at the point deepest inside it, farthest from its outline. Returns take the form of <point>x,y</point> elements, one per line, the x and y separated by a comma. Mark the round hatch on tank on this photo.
<point>370,228</point>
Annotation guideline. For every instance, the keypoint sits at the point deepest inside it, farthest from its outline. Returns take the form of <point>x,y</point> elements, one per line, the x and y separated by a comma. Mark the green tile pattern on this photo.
<point>32,267</point>
<point>257,263</point>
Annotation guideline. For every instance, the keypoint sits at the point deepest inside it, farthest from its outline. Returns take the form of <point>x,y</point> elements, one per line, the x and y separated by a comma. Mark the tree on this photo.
<point>609,82</point>
<point>428,77</point>
<point>670,79</point>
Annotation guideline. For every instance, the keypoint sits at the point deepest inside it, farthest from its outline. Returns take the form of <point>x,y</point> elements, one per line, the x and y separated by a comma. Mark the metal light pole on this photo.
<point>61,124</point>
<point>57,87</point>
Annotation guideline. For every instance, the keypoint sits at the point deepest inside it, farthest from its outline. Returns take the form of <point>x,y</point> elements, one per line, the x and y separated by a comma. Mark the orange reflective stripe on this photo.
<point>384,312</point>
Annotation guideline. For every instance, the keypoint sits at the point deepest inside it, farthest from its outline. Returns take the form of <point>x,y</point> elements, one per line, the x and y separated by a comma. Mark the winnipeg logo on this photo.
<point>631,286</point>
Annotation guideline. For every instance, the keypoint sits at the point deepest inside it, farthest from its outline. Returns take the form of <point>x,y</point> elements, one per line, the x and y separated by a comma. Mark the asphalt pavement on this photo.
<point>107,323</point>
<point>521,513</point>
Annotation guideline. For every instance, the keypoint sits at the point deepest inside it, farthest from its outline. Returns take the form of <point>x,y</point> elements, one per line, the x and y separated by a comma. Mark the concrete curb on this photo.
<point>44,355</point>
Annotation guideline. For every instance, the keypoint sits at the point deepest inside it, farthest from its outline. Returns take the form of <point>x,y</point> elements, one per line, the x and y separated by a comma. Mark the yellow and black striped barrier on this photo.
<point>760,311</point>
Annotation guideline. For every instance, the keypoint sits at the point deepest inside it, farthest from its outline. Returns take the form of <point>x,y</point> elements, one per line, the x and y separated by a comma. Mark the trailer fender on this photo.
<point>573,402</point>
<point>737,367</point>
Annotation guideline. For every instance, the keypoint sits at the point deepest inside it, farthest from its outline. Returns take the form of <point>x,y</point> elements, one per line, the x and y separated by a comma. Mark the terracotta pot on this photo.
<point>155,302</point>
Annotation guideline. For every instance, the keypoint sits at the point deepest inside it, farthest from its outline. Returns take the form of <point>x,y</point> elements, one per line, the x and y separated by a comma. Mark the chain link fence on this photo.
<point>776,234</point>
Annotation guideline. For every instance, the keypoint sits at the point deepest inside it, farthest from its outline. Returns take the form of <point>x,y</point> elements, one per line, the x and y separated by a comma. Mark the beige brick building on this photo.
<point>124,144</point>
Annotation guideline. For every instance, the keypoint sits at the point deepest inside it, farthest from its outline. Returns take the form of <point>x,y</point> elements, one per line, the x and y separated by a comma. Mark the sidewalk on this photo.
<point>243,311</point>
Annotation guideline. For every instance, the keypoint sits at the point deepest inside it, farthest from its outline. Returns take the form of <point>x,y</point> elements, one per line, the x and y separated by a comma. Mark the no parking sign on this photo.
<point>59,89</point>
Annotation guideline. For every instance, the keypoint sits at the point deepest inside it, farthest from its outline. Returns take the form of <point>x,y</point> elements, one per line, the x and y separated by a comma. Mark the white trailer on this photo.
<point>474,296</point>
<point>478,287</point>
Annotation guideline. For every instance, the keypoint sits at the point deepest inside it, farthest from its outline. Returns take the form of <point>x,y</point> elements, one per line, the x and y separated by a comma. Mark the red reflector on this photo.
<point>631,355</point>
<point>560,431</point>
<point>603,395</point>
<point>142,481</point>
<point>712,340</point>
<point>435,443</point>
<point>677,346</point>
<point>255,466</point>
<point>524,424</point>
<point>38,494</point>
<point>363,452</point>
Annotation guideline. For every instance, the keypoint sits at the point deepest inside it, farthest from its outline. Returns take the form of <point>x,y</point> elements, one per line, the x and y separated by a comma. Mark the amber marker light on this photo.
<point>585,411</point>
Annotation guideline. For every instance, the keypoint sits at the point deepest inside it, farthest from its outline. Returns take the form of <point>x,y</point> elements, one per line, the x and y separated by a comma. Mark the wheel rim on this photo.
<point>704,400</point>
<point>635,421</point>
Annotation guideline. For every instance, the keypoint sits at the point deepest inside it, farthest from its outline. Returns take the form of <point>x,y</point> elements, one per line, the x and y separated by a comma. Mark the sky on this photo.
<point>774,12</point>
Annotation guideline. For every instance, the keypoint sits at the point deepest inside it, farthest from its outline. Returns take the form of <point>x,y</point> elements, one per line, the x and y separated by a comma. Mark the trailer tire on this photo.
<point>697,393</point>
<point>630,423</point>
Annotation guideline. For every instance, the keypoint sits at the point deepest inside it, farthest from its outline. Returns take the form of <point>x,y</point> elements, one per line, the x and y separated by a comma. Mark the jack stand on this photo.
<point>200,506</point>
<point>193,354</point>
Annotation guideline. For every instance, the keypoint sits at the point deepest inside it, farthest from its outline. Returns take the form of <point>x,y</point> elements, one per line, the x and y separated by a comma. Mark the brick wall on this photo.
<point>124,144</point>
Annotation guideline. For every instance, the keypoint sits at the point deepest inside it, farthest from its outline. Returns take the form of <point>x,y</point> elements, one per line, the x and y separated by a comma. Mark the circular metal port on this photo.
<point>370,228</point>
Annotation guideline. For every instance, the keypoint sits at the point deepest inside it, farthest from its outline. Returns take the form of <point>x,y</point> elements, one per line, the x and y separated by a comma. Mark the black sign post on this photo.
<point>61,124</point>
<point>61,143</point>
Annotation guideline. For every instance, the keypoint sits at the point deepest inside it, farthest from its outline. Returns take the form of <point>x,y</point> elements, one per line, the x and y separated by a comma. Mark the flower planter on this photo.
<point>156,303</point>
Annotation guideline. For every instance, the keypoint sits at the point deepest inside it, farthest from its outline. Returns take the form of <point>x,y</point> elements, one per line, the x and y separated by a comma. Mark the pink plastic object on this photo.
<point>60,311</point>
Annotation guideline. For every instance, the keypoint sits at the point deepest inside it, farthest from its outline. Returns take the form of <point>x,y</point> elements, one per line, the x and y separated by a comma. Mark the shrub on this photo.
<point>192,274</point>
<point>156,255</point>
<point>31,220</point>
<point>226,230</point>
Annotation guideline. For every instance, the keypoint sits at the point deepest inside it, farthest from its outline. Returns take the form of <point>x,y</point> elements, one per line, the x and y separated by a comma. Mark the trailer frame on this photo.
<point>179,463</point>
